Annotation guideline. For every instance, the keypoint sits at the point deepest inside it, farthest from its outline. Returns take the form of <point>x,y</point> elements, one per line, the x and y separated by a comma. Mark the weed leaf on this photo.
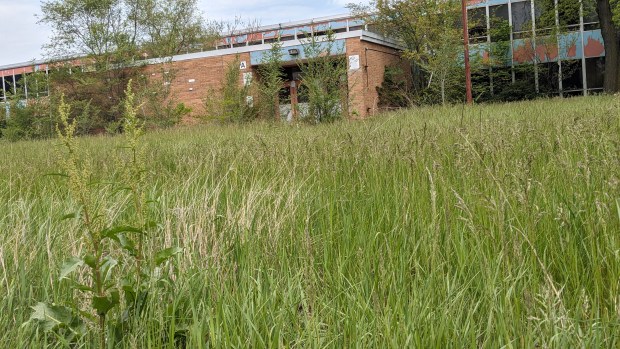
<point>50,317</point>
<point>165,254</point>
<point>69,266</point>
<point>106,267</point>
<point>104,304</point>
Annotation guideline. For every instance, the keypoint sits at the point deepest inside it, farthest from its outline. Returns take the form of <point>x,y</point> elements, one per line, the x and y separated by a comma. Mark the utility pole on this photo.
<point>466,46</point>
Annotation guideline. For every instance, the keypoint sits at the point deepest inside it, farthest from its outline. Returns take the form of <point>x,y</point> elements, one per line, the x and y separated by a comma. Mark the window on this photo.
<point>544,17</point>
<point>548,74</point>
<point>481,83</point>
<point>572,78</point>
<point>590,17</point>
<point>595,72</point>
<point>525,81</point>
<point>521,19</point>
<point>502,80</point>
<point>477,24</point>
<point>568,14</point>
<point>499,25</point>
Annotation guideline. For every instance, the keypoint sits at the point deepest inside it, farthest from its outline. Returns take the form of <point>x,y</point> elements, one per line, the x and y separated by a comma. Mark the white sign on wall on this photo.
<point>354,62</point>
<point>247,79</point>
<point>243,65</point>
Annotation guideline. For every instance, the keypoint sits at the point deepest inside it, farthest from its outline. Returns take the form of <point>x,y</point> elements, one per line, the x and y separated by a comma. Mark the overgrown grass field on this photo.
<point>489,226</point>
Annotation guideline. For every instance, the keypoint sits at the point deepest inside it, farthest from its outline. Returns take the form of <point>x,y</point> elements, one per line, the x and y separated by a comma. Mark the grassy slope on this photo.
<point>494,226</point>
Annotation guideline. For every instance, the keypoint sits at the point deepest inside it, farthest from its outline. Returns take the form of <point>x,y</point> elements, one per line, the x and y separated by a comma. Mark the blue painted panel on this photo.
<point>523,51</point>
<point>496,2</point>
<point>570,46</point>
<point>270,35</point>
<point>306,29</point>
<point>321,27</point>
<point>356,22</point>
<point>256,57</point>
<point>593,43</point>
<point>338,25</point>
<point>241,39</point>
<point>287,32</point>
<point>476,3</point>
<point>476,51</point>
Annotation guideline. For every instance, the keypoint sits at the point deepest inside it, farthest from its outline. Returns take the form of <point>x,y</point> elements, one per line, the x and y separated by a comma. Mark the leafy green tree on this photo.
<point>98,42</point>
<point>429,31</point>
<point>324,82</point>
<point>171,27</point>
<point>233,101</point>
<point>271,81</point>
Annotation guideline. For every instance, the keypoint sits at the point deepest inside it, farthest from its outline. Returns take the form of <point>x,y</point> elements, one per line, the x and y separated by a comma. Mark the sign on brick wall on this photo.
<point>354,62</point>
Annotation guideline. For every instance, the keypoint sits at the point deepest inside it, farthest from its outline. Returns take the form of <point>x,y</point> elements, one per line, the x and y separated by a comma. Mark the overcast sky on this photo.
<point>22,37</point>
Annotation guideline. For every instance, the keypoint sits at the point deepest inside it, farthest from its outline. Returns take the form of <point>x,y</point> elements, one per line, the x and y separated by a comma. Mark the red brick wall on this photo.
<point>207,74</point>
<point>363,83</point>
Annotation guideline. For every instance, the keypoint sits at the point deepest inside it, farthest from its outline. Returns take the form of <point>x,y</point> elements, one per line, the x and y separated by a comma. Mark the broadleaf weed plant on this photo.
<point>105,283</point>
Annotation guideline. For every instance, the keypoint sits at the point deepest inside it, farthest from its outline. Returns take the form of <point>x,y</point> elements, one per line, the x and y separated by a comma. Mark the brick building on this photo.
<point>195,74</point>
<point>571,65</point>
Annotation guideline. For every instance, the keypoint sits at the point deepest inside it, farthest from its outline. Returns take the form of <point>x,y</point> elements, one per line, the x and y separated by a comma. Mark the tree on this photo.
<point>232,102</point>
<point>172,26</point>
<point>429,30</point>
<point>324,79</point>
<point>271,81</point>
<point>99,44</point>
<point>609,16</point>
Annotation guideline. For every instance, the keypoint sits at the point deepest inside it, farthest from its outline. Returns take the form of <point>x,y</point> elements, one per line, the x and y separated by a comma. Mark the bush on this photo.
<point>30,120</point>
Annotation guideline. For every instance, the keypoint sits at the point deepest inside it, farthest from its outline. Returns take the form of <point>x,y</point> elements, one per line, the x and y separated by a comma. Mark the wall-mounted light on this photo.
<point>293,52</point>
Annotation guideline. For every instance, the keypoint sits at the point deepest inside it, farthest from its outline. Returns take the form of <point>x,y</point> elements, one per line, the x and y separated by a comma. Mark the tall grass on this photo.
<point>488,226</point>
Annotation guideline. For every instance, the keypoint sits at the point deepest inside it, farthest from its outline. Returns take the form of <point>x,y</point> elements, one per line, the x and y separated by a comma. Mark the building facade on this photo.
<point>194,75</point>
<point>569,63</point>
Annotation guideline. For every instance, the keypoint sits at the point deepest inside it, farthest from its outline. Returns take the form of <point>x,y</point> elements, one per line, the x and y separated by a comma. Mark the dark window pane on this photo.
<point>568,13</point>
<point>544,14</point>
<point>502,79</point>
<point>500,27</point>
<point>525,73</point>
<point>571,75</point>
<point>595,72</point>
<point>548,78</point>
<point>589,12</point>
<point>477,24</point>
<point>499,11</point>
<point>481,84</point>
<point>521,16</point>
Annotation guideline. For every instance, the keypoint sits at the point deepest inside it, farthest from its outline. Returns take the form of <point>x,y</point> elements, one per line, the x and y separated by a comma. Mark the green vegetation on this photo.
<point>233,101</point>
<point>487,226</point>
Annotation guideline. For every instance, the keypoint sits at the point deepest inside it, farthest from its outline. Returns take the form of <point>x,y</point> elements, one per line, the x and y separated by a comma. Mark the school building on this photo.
<point>195,74</point>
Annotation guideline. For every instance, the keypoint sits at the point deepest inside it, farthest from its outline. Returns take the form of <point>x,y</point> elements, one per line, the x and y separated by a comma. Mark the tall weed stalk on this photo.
<point>109,245</point>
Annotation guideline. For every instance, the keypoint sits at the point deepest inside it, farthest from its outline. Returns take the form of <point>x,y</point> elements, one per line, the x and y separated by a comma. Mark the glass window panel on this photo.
<point>477,24</point>
<point>521,16</point>
<point>548,78</point>
<point>500,27</point>
<point>595,72</point>
<point>572,78</point>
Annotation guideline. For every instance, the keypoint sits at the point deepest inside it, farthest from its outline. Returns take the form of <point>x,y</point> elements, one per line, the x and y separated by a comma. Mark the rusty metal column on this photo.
<point>466,46</point>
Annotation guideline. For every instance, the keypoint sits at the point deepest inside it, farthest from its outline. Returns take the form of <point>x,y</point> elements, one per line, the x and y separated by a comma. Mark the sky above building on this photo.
<point>22,37</point>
